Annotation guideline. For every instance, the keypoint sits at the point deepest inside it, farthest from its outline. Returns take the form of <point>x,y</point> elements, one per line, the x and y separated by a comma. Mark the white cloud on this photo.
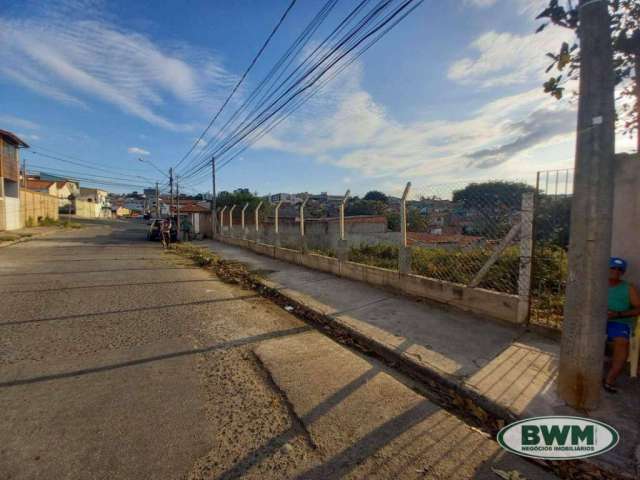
<point>480,3</point>
<point>75,60</point>
<point>501,59</point>
<point>138,151</point>
<point>10,122</point>
<point>524,7</point>
<point>356,133</point>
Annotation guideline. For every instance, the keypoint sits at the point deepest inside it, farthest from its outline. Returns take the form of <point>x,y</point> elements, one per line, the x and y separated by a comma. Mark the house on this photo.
<point>10,144</point>
<point>95,195</point>
<point>121,211</point>
<point>285,198</point>
<point>42,186</point>
<point>67,189</point>
<point>451,242</point>
<point>198,216</point>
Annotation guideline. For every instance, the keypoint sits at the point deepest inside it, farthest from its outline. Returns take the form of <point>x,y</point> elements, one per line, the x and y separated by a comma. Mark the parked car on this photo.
<point>153,233</point>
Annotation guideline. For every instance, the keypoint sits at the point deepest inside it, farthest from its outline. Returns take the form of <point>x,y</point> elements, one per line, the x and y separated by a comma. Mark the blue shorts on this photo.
<point>617,330</point>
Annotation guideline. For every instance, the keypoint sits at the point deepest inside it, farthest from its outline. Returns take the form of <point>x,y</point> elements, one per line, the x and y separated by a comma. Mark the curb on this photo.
<point>442,390</point>
<point>26,239</point>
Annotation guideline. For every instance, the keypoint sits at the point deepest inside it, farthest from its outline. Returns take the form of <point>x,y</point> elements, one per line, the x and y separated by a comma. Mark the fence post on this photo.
<point>526,249</point>
<point>222,220</point>
<point>404,252</point>
<point>303,240</point>
<point>244,230</point>
<point>231,220</point>
<point>342,252</point>
<point>277,224</point>
<point>257,219</point>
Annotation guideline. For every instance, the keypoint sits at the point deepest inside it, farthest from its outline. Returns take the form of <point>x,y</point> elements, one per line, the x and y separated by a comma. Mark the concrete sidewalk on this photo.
<point>511,371</point>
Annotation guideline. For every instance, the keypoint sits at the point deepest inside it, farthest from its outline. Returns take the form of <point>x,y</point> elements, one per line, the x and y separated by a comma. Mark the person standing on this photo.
<point>165,233</point>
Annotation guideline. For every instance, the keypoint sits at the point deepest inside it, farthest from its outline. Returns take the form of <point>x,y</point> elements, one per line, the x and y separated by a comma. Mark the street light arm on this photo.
<point>149,162</point>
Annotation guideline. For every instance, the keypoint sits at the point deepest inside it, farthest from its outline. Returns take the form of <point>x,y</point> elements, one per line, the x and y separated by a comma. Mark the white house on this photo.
<point>10,180</point>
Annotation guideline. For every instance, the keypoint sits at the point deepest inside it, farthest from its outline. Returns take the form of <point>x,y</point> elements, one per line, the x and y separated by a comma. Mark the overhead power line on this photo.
<point>338,51</point>
<point>237,85</point>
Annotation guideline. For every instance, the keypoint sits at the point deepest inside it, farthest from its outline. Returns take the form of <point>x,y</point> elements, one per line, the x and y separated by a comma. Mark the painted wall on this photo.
<point>36,206</point>
<point>626,214</point>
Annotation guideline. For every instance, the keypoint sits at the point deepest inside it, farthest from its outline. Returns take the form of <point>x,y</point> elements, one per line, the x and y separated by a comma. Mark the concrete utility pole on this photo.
<point>178,209</point>
<point>214,218</point>
<point>581,356</point>
<point>171,192</point>
<point>157,200</point>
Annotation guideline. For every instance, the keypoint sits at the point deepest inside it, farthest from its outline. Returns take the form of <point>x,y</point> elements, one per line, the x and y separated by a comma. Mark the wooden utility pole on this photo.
<point>214,217</point>
<point>583,331</point>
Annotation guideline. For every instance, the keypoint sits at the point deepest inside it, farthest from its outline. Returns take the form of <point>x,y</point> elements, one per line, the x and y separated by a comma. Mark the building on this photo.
<point>10,144</point>
<point>198,216</point>
<point>98,198</point>
<point>67,192</point>
<point>94,195</point>
<point>42,186</point>
<point>285,198</point>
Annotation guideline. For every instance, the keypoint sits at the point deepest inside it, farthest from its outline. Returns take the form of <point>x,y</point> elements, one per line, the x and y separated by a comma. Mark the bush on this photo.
<point>48,222</point>
<point>460,266</point>
<point>30,222</point>
<point>379,255</point>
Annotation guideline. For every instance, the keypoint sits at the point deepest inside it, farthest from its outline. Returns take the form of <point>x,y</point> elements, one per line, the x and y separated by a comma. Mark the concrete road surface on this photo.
<point>120,361</point>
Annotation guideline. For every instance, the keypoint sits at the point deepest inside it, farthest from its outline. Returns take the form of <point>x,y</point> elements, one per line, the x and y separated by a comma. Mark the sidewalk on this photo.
<point>10,237</point>
<point>508,371</point>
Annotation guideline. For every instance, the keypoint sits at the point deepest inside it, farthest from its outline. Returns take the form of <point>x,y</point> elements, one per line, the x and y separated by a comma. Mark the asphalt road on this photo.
<point>121,361</point>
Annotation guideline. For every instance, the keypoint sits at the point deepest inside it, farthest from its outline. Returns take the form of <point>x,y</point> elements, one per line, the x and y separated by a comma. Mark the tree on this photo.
<point>625,33</point>
<point>490,206</point>
<point>357,206</point>
<point>376,196</point>
<point>416,222</point>
<point>492,196</point>
<point>393,221</point>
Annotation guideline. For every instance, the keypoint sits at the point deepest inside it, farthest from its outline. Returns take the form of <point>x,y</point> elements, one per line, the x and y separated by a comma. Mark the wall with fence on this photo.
<point>508,239</point>
<point>36,206</point>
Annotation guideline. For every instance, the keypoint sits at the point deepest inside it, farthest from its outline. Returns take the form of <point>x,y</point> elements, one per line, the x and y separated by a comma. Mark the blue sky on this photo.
<point>452,94</point>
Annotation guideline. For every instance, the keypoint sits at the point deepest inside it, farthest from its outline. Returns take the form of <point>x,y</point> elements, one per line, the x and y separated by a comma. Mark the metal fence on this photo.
<point>552,222</point>
<point>469,233</point>
<point>506,236</point>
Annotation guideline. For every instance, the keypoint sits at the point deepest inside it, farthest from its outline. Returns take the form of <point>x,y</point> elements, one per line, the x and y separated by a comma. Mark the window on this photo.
<point>9,151</point>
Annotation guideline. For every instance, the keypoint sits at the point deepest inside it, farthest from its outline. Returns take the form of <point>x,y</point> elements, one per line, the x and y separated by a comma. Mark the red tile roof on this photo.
<point>462,240</point>
<point>192,208</point>
<point>38,184</point>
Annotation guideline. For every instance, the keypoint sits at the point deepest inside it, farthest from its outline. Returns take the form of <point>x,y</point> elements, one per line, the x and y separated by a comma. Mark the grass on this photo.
<point>8,238</point>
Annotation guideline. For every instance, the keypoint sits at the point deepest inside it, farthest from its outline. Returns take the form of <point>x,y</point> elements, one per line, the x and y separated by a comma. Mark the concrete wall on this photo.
<point>496,305</point>
<point>626,214</point>
<point>12,213</point>
<point>36,206</point>
<point>87,209</point>
<point>319,234</point>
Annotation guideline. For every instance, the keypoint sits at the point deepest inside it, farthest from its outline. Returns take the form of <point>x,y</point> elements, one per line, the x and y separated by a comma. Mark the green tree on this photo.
<point>393,221</point>
<point>416,222</point>
<point>625,36</point>
<point>491,205</point>
<point>553,220</point>
<point>357,206</point>
<point>376,196</point>
<point>494,195</point>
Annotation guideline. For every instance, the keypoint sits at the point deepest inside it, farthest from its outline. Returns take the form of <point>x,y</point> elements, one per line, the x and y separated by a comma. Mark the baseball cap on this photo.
<point>619,263</point>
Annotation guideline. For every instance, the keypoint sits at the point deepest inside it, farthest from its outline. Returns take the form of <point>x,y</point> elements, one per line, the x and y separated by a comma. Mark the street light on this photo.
<point>149,162</point>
